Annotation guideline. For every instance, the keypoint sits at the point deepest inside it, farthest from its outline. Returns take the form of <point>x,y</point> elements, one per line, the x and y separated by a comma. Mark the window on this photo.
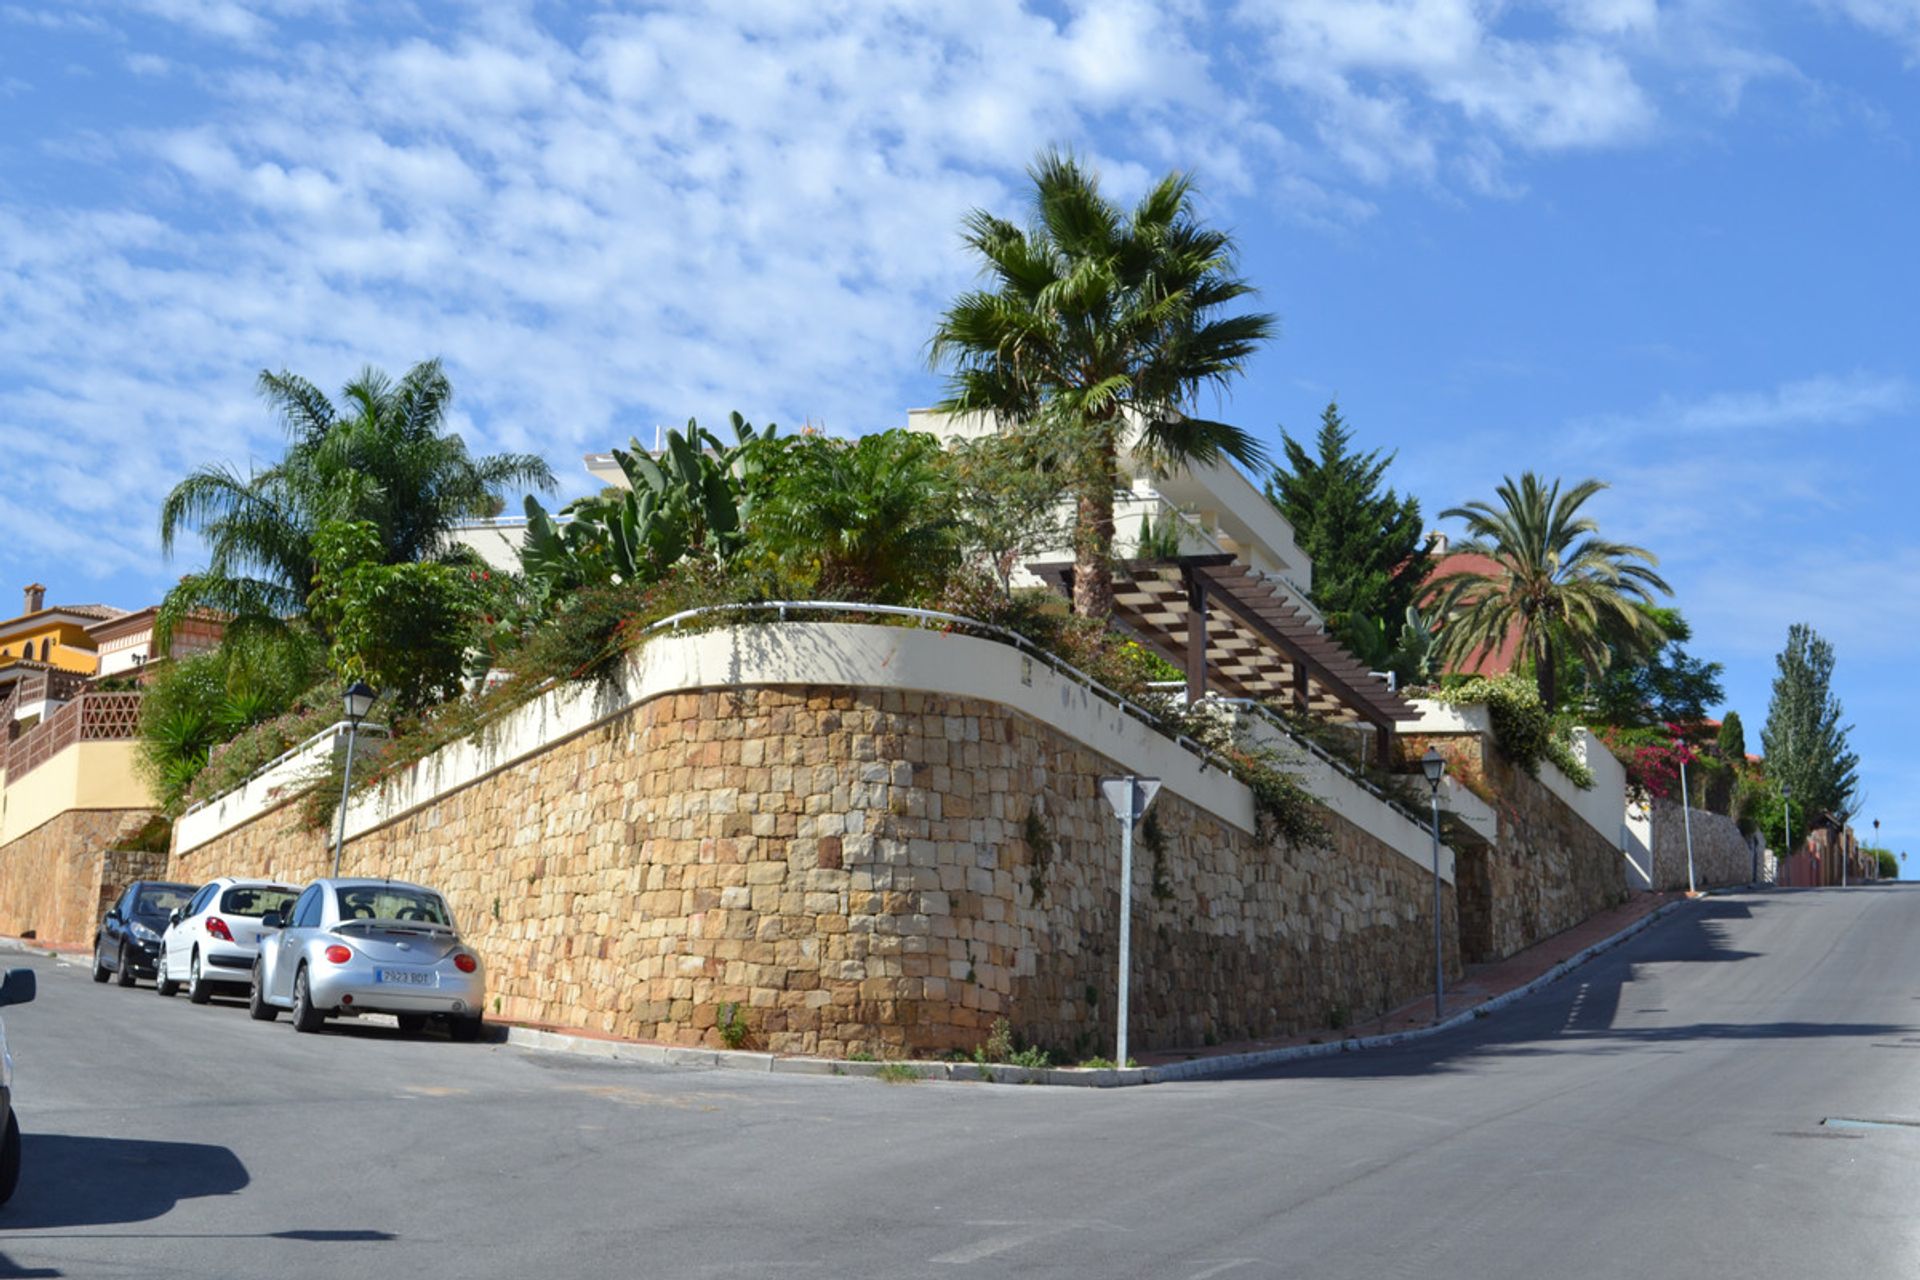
<point>393,902</point>
<point>45,645</point>
<point>199,902</point>
<point>256,900</point>
<point>158,899</point>
<point>306,912</point>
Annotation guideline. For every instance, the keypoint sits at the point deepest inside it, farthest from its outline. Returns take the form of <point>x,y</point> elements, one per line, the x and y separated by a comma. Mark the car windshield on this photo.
<point>256,900</point>
<point>157,900</point>
<point>392,902</point>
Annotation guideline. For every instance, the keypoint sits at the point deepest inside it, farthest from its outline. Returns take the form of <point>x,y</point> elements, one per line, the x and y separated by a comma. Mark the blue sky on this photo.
<point>1669,245</point>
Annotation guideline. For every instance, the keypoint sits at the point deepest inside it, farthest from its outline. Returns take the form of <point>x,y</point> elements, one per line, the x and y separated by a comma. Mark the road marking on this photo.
<point>1028,1233</point>
<point>1221,1267</point>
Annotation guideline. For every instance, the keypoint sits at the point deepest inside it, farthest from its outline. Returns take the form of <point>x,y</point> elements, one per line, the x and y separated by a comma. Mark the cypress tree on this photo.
<point>1367,546</point>
<point>1804,740</point>
<point>1733,739</point>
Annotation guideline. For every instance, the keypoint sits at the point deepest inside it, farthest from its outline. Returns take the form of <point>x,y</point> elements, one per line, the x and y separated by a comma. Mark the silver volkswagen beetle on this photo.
<point>348,947</point>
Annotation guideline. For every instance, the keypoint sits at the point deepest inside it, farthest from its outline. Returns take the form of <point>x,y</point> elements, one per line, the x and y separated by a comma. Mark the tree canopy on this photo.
<point>1098,330</point>
<point>1367,545</point>
<point>384,458</point>
<point>1805,741</point>
<point>1649,677</point>
<point>1556,586</point>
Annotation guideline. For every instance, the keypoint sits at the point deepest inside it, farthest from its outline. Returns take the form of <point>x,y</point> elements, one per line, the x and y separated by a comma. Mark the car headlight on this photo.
<point>143,933</point>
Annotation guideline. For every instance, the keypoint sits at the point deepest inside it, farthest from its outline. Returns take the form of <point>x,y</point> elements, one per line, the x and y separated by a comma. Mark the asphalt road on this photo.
<point>1658,1114</point>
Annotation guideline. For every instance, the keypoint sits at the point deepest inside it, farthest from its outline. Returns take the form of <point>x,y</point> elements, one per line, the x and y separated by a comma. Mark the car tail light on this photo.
<point>218,928</point>
<point>339,954</point>
<point>464,962</point>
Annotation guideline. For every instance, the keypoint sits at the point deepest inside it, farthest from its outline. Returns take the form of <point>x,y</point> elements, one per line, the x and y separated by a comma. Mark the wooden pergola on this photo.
<point>1231,630</point>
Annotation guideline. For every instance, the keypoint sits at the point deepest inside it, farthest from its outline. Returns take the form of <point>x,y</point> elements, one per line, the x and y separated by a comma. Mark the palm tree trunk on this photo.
<point>1546,676</point>
<point>1093,541</point>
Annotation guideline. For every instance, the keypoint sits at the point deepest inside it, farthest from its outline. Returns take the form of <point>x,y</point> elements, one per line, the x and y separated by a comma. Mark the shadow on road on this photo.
<point>1578,1014</point>
<point>68,1181</point>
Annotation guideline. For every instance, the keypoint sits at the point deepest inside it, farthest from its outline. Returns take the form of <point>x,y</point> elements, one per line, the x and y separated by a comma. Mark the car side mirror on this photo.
<point>173,916</point>
<point>272,920</point>
<point>18,987</point>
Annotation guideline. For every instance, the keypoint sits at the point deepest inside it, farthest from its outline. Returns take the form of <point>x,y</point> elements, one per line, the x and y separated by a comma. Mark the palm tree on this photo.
<point>1557,588</point>
<point>1100,322</point>
<point>385,459</point>
<point>873,519</point>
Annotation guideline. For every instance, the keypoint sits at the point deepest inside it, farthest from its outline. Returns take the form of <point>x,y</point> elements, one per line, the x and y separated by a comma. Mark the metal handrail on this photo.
<point>1340,766</point>
<point>283,757</point>
<point>924,616</point>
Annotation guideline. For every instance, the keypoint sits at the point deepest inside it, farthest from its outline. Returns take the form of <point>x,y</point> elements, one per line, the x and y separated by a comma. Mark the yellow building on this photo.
<point>55,638</point>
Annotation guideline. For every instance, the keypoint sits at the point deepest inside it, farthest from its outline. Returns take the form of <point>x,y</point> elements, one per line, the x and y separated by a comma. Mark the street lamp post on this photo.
<point>1686,811</point>
<point>1434,765</point>
<point>358,700</point>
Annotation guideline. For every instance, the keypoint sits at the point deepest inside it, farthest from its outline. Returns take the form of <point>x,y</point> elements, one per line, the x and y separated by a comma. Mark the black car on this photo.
<point>16,988</point>
<point>129,939</point>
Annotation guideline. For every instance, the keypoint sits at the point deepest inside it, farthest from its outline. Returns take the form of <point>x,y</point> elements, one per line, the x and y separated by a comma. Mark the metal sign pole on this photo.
<point>1686,817</point>
<point>1126,932</point>
<point>1129,798</point>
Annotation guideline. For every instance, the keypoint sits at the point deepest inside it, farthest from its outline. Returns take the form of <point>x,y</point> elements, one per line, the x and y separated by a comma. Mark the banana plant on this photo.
<point>692,498</point>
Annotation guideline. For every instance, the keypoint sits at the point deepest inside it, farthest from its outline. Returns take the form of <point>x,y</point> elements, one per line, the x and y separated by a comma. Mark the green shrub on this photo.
<point>1525,731</point>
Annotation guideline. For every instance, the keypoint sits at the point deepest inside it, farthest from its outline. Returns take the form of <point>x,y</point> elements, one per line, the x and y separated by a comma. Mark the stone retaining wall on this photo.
<point>877,871</point>
<point>1721,855</point>
<point>1547,870</point>
<point>56,881</point>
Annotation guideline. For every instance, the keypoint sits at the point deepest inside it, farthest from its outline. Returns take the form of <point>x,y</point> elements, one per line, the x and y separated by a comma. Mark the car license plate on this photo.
<point>407,977</point>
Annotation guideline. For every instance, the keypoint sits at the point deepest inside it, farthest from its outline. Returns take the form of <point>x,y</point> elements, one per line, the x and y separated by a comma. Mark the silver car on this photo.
<point>368,946</point>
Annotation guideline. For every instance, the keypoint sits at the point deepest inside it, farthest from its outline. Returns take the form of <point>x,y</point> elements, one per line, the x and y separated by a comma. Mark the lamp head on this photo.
<point>1434,765</point>
<point>358,700</point>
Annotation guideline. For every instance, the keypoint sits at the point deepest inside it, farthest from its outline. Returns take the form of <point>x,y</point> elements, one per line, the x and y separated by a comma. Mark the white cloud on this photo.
<point>1397,83</point>
<point>691,208</point>
<point>1899,19</point>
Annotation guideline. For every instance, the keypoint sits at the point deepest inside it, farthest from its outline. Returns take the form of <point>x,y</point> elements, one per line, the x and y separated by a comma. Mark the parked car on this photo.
<point>368,946</point>
<point>129,938</point>
<point>16,988</point>
<point>214,939</point>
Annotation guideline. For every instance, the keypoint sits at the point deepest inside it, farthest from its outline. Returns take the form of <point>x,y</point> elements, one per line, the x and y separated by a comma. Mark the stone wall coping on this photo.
<point>269,788</point>
<point>1602,806</point>
<point>850,655</point>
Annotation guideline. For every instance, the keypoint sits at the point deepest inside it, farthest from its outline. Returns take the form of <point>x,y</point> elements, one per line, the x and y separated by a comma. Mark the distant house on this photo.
<point>125,644</point>
<point>1495,660</point>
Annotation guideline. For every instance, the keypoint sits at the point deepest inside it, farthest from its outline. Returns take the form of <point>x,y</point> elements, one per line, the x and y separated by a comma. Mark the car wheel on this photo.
<point>305,1016</point>
<point>465,1030</point>
<point>124,973</point>
<point>99,963</point>
<point>198,989</point>
<point>257,1007</point>
<point>10,1159</point>
<point>161,982</point>
<point>411,1024</point>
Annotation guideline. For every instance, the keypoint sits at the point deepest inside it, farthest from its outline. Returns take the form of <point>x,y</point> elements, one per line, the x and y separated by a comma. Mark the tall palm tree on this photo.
<point>385,457</point>
<point>1557,586</point>
<point>1099,323</point>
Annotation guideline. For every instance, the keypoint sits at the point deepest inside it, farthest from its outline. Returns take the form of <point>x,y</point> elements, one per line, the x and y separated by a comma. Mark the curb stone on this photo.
<point>1096,1078</point>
